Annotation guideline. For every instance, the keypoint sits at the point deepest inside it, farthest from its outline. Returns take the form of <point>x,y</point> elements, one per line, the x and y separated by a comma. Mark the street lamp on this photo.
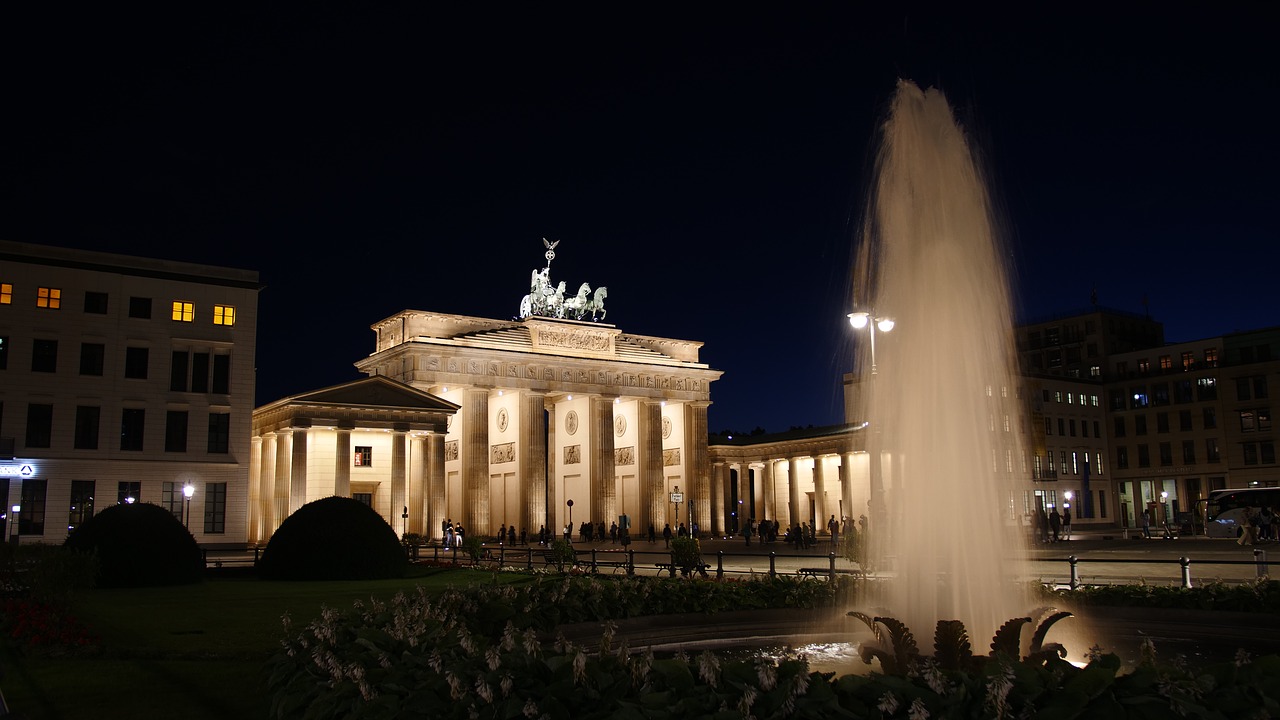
<point>17,509</point>
<point>187,491</point>
<point>861,320</point>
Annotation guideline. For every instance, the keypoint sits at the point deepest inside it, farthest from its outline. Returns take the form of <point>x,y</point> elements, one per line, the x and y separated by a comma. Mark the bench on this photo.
<point>671,568</point>
<point>827,572</point>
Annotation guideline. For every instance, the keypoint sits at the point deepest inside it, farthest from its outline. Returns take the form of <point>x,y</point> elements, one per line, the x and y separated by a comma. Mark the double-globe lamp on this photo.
<point>860,320</point>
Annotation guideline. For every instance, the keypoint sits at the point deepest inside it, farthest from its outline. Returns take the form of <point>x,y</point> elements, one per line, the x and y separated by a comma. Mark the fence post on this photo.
<point>529,551</point>
<point>256,549</point>
<point>593,561</point>
<point>502,554</point>
<point>1185,562</point>
<point>1260,557</point>
<point>1075,571</point>
<point>631,562</point>
<point>831,566</point>
<point>719,564</point>
<point>773,557</point>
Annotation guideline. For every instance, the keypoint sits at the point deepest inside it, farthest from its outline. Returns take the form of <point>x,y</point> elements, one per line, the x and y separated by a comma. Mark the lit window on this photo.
<point>49,298</point>
<point>224,315</point>
<point>1166,362</point>
<point>184,311</point>
<point>364,456</point>
<point>6,294</point>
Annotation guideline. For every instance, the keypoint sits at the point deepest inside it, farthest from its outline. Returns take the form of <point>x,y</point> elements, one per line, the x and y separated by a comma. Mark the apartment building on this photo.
<point>124,379</point>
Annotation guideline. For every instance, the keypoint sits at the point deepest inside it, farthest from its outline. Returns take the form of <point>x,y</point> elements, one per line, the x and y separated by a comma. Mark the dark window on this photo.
<point>1189,452</point>
<point>1244,387</point>
<point>140,307</point>
<point>219,432</point>
<point>95,302</point>
<point>364,456</point>
<point>1122,458</point>
<point>1268,452</point>
<point>175,431</point>
<point>1097,428</point>
<point>1184,421</point>
<point>132,423</point>
<point>1210,418</point>
<point>1144,456</point>
<point>44,356</point>
<point>1162,422</point>
<point>178,371</point>
<point>171,498</point>
<point>1061,428</point>
<point>1071,427</point>
<point>1260,387</point>
<point>200,372</point>
<point>39,425</point>
<point>91,358</point>
<point>1048,426</point>
<point>1102,503</point>
<point>1250,453</point>
<point>1211,451</point>
<point>1166,453</point>
<point>81,503</point>
<point>1160,393</point>
<point>4,352</point>
<point>87,421</point>
<point>128,493</point>
<point>366,498</point>
<point>135,363</point>
<point>222,374</point>
<point>215,507</point>
<point>31,519</point>
<point>1140,425</point>
<point>1182,391</point>
<point>1264,419</point>
<point>1119,427</point>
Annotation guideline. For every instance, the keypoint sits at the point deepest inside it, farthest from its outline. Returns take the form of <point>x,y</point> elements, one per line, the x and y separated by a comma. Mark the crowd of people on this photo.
<point>1259,526</point>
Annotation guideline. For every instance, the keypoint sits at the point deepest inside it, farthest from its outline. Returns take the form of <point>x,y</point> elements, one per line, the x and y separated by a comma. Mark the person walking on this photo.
<point>1055,524</point>
<point>833,528</point>
<point>653,535</point>
<point>1066,523</point>
<point>746,533</point>
<point>1146,524</point>
<point>613,533</point>
<point>666,535</point>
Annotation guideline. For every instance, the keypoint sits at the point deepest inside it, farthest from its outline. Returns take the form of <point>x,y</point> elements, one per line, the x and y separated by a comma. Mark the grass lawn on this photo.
<point>191,652</point>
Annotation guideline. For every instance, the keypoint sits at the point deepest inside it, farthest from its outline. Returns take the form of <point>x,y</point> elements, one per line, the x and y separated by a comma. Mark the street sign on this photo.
<point>677,497</point>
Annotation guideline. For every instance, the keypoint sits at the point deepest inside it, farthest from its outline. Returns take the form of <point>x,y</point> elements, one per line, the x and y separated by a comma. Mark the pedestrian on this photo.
<point>502,533</point>
<point>1249,528</point>
<point>683,531</point>
<point>833,528</point>
<point>542,534</point>
<point>613,533</point>
<point>653,536</point>
<point>1066,523</point>
<point>1055,524</point>
<point>511,535</point>
<point>458,535</point>
<point>1042,526</point>
<point>746,533</point>
<point>568,532</point>
<point>448,536</point>
<point>1146,523</point>
<point>666,535</point>
<point>600,530</point>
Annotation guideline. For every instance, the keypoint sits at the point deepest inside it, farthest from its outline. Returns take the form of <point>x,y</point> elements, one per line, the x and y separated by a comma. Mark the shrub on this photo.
<point>335,538</point>
<point>139,545</point>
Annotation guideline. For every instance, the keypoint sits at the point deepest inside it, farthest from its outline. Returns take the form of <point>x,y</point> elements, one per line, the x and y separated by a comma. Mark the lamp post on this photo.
<point>860,320</point>
<point>17,510</point>
<point>187,491</point>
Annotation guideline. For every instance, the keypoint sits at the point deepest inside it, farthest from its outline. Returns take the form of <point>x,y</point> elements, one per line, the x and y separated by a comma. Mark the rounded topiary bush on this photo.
<point>335,538</point>
<point>139,545</point>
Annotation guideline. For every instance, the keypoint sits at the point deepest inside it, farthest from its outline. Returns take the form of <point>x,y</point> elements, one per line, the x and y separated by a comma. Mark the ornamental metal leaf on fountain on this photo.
<point>547,300</point>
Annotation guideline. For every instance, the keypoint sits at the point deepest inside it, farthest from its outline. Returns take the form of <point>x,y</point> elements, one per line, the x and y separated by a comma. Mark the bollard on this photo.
<point>593,561</point>
<point>631,562</point>
<point>502,555</point>
<point>1260,557</point>
<point>773,558</point>
<point>1075,571</point>
<point>530,553</point>
<point>720,565</point>
<point>256,549</point>
<point>1186,572</point>
<point>831,567</point>
<point>435,553</point>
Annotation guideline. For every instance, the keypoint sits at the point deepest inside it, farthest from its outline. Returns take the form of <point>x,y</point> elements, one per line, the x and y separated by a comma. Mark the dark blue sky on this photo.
<point>707,165</point>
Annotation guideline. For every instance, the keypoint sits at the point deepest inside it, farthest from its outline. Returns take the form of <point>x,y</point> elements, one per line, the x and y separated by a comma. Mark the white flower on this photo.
<point>709,668</point>
<point>767,673</point>
<point>918,711</point>
<point>888,704</point>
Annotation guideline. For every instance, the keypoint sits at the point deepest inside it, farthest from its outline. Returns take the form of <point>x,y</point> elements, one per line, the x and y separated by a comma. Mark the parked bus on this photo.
<point>1224,510</point>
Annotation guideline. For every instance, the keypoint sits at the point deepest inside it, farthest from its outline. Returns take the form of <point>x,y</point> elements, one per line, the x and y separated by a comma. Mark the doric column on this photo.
<point>255,491</point>
<point>554,525</point>
<point>768,492</point>
<point>603,478</point>
<point>532,451</point>
<point>795,514</point>
<point>746,510</point>
<point>821,514</point>
<point>652,490</point>
<point>284,461</point>
<point>342,463</point>
<point>298,471</point>
<point>267,494</point>
<point>846,486</point>
<point>436,505</point>
<point>475,461</point>
<point>399,477</point>
<point>720,524</point>
<point>417,485</point>
<point>698,462</point>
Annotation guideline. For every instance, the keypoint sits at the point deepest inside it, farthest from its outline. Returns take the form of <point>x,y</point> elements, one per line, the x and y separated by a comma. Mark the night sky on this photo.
<point>707,165</point>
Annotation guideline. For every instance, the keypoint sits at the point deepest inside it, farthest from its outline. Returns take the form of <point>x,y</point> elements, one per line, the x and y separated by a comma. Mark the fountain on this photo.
<point>942,402</point>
